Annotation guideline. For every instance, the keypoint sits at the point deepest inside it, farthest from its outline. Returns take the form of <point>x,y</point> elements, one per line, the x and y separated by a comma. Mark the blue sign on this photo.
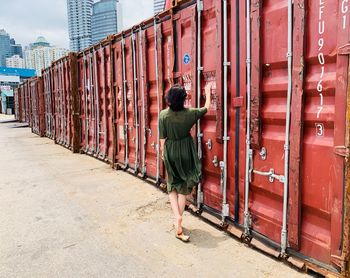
<point>187,58</point>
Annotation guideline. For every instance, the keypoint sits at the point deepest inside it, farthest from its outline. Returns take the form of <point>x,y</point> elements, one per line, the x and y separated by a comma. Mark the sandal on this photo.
<point>182,237</point>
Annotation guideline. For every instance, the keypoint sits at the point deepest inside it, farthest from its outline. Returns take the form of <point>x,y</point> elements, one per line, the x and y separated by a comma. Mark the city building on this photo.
<point>11,77</point>
<point>16,49</point>
<point>6,100</point>
<point>106,19</point>
<point>40,42</point>
<point>15,62</point>
<point>40,55</point>
<point>5,47</point>
<point>79,23</point>
<point>8,47</point>
<point>158,6</point>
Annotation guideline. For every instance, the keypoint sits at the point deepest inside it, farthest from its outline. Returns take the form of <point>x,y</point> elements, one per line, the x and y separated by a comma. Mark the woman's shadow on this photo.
<point>203,239</point>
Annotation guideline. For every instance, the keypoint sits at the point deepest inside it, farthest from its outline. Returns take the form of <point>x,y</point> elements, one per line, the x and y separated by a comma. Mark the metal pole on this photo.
<point>105,106</point>
<point>284,231</point>
<point>92,103</point>
<point>199,74</point>
<point>63,104</point>
<point>126,160</point>
<point>226,64</point>
<point>135,102</point>
<point>96,91</point>
<point>248,150</point>
<point>85,108</point>
<point>143,107</point>
<point>158,102</point>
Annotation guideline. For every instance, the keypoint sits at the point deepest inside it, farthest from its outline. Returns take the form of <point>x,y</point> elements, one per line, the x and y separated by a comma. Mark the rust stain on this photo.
<point>345,269</point>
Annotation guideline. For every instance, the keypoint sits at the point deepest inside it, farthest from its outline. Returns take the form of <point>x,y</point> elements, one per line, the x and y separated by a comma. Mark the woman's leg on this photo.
<point>173,196</point>
<point>181,199</point>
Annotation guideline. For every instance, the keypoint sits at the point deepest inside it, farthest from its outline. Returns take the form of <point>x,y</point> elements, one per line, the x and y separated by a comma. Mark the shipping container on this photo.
<point>274,145</point>
<point>48,84</point>
<point>95,101</point>
<point>37,103</point>
<point>18,107</point>
<point>296,104</point>
<point>60,86</point>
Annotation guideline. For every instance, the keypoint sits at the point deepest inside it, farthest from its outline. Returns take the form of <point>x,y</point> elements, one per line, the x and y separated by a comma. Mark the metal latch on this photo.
<point>215,161</point>
<point>344,49</point>
<point>263,153</point>
<point>342,151</point>
<point>209,144</point>
<point>271,175</point>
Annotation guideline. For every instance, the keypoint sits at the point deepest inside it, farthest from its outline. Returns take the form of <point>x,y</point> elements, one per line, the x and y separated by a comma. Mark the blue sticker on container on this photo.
<point>187,58</point>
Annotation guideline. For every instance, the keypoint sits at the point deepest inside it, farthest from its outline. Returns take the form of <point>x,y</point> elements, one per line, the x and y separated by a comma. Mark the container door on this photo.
<point>120,101</point>
<point>108,99</point>
<point>153,95</point>
<point>212,122</point>
<point>185,72</point>
<point>316,169</point>
<point>101,85</point>
<point>323,134</point>
<point>130,101</point>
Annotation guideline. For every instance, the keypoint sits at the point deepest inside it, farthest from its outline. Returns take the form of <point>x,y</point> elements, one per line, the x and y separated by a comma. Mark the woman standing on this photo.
<point>178,151</point>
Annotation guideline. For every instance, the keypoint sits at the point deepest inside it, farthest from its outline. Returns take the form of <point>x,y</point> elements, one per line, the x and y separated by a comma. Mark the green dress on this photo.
<point>180,157</point>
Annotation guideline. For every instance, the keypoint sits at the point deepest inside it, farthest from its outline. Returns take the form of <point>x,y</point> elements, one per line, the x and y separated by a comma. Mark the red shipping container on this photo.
<point>37,103</point>
<point>48,84</point>
<point>96,101</point>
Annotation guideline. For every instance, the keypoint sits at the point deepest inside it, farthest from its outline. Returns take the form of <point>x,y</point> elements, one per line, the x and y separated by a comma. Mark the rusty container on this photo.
<point>38,106</point>
<point>18,107</point>
<point>274,144</point>
<point>27,103</point>
<point>95,101</point>
<point>48,85</point>
<point>292,179</point>
<point>61,89</point>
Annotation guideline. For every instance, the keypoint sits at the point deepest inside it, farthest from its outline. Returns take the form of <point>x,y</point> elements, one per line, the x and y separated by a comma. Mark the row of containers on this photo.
<point>274,144</point>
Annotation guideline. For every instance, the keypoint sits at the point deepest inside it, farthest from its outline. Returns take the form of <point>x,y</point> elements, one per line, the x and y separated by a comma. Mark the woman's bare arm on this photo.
<point>207,90</point>
<point>162,142</point>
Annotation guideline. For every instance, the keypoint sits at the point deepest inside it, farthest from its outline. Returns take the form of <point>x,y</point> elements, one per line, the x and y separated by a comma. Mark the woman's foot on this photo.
<point>182,237</point>
<point>178,225</point>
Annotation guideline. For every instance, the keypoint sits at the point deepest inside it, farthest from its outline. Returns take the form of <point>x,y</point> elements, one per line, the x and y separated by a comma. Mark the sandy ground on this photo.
<point>69,215</point>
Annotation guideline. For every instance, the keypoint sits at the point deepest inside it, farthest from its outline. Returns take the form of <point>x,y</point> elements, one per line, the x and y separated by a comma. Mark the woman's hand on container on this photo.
<point>207,90</point>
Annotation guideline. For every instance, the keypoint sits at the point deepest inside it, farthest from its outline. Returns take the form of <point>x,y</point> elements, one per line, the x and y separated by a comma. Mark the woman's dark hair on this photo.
<point>176,97</point>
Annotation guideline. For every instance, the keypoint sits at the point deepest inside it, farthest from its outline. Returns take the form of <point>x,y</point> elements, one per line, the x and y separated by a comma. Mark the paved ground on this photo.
<point>68,215</point>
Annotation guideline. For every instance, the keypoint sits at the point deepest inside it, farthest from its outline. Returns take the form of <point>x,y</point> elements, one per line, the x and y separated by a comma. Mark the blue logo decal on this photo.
<point>187,58</point>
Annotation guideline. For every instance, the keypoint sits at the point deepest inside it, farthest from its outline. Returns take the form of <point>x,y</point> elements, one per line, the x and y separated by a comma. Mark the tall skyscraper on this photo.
<point>79,23</point>
<point>5,47</point>
<point>105,18</point>
<point>158,6</point>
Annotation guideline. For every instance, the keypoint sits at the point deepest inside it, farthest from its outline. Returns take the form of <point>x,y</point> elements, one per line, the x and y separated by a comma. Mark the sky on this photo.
<point>25,20</point>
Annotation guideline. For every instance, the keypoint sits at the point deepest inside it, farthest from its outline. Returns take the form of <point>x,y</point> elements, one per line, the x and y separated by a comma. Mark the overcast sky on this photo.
<point>25,20</point>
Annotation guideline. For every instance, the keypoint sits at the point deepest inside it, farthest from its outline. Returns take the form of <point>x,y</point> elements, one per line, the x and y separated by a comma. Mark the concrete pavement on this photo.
<point>69,215</point>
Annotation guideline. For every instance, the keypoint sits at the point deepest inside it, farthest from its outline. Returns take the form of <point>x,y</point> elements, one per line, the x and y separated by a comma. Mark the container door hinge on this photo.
<point>225,210</point>
<point>200,198</point>
<point>342,151</point>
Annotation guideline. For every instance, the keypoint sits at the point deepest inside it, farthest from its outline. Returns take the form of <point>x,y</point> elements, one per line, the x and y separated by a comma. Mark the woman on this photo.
<point>178,150</point>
